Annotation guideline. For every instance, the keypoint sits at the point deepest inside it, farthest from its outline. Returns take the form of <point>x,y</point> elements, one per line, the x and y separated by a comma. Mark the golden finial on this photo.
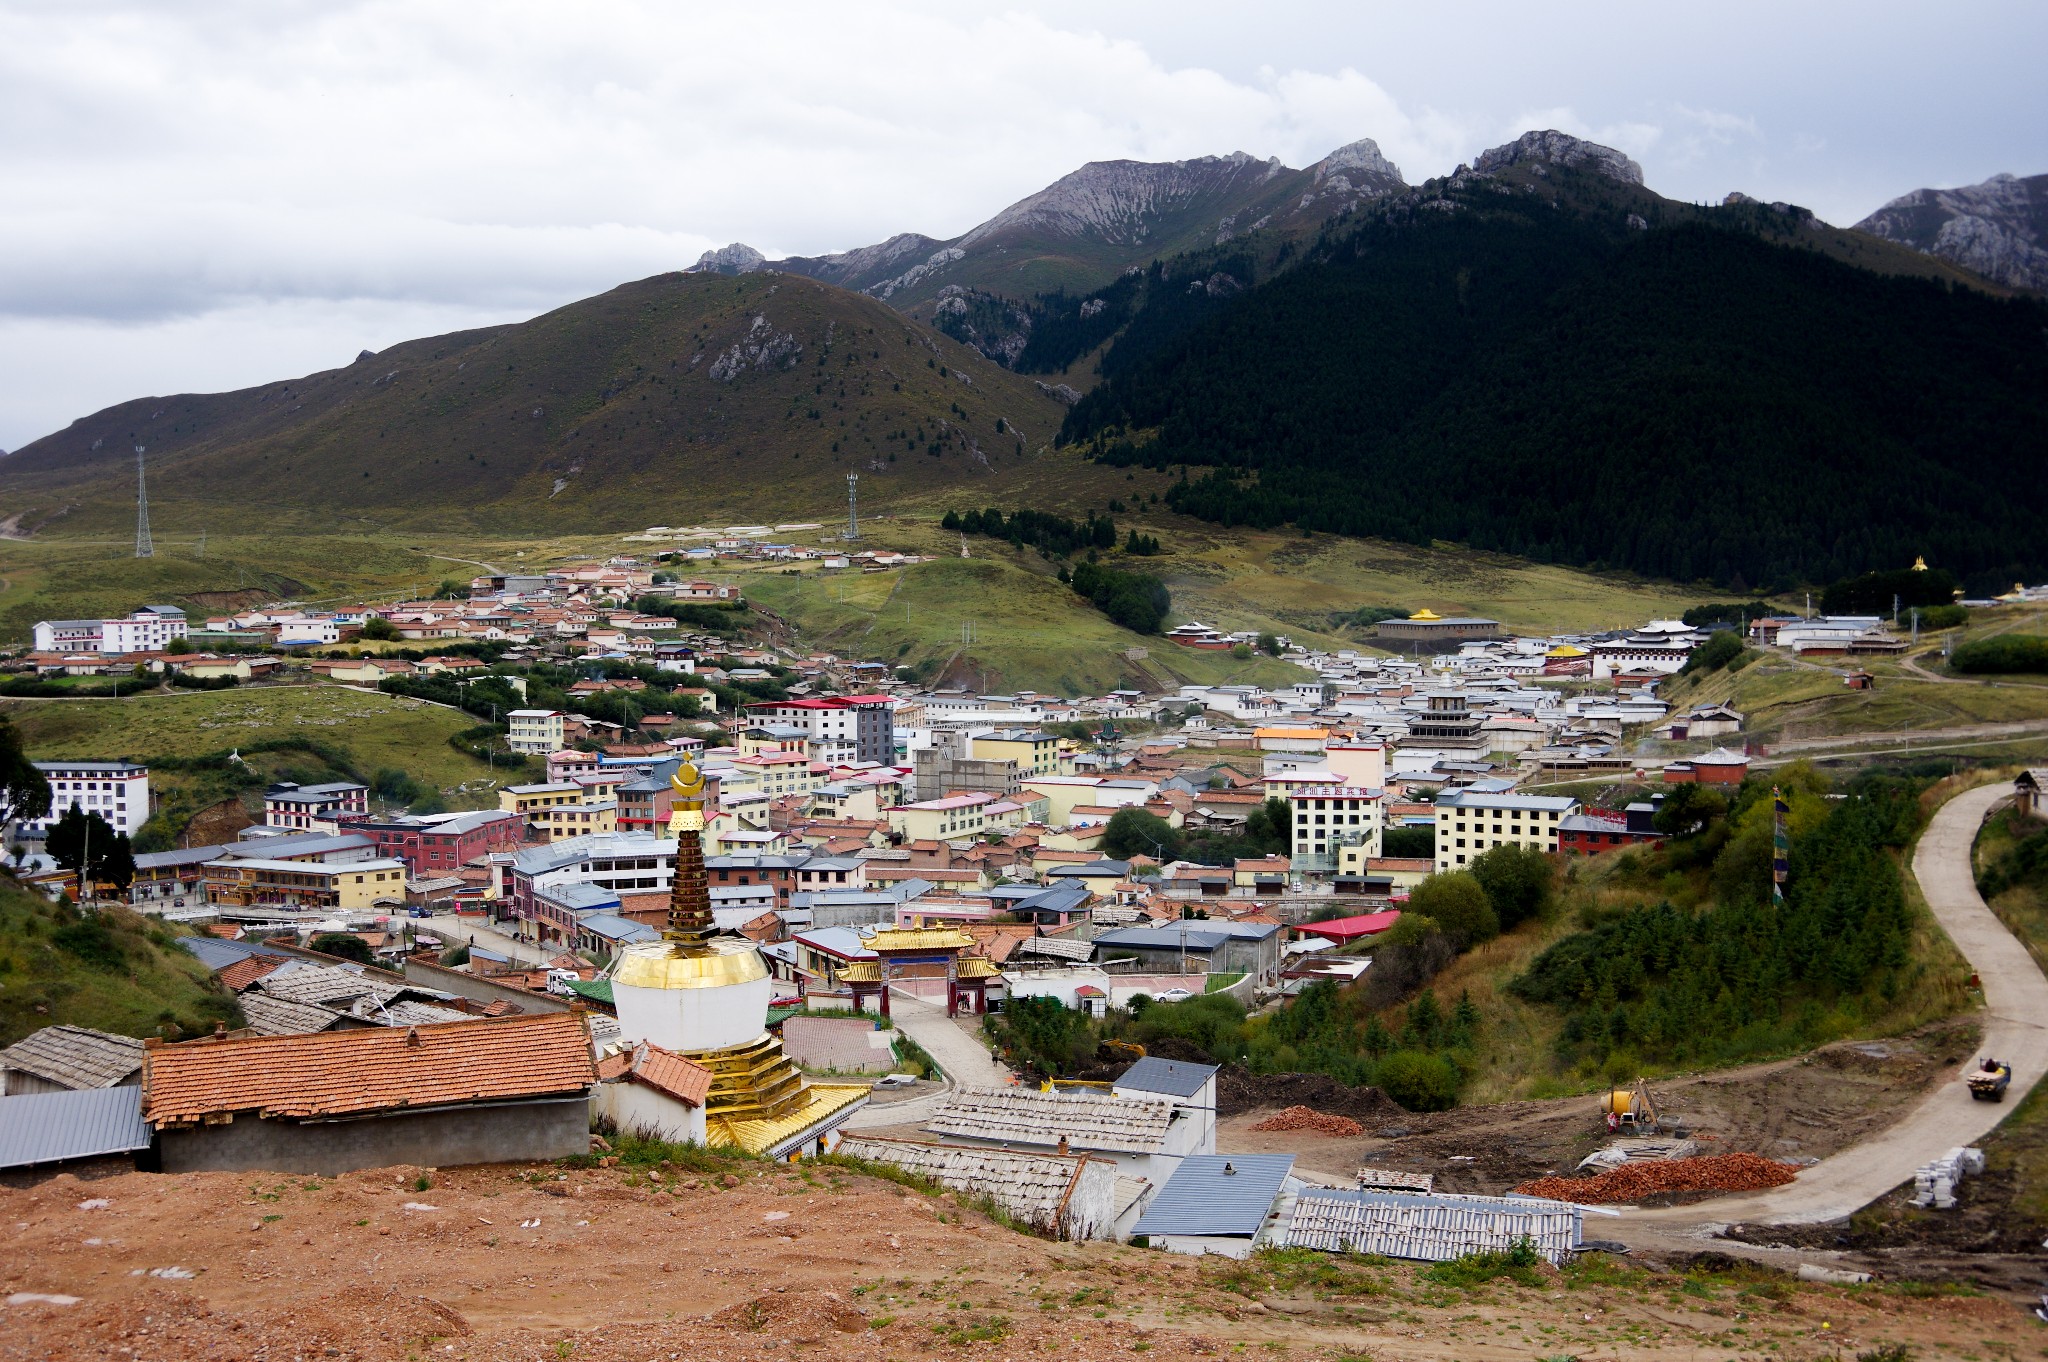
<point>688,785</point>
<point>1919,563</point>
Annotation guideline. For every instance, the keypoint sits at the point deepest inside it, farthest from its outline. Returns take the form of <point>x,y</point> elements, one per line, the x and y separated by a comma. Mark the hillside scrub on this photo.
<point>1730,975</point>
<point>1136,600</point>
<point>2013,653</point>
<point>110,969</point>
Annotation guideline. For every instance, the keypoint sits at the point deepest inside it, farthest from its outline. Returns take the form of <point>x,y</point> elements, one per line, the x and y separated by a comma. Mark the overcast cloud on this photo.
<point>219,192</point>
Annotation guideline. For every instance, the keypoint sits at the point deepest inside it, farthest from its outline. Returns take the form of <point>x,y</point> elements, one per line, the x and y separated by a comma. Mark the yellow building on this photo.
<point>1036,752</point>
<point>951,819</point>
<point>305,884</point>
<point>526,800</point>
<point>575,820</point>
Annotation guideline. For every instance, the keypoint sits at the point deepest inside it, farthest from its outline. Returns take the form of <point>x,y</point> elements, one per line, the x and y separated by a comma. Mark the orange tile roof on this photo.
<point>663,1070</point>
<point>246,971</point>
<point>337,1073</point>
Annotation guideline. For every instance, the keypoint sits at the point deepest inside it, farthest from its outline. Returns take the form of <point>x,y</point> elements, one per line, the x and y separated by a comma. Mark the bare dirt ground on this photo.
<point>1793,1110</point>
<point>602,1264</point>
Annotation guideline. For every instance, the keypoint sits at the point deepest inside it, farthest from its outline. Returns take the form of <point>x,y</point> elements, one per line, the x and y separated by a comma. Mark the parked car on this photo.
<point>1174,995</point>
<point>896,1080</point>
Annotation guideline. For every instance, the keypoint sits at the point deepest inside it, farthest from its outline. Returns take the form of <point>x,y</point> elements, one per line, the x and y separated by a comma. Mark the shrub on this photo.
<point>345,945</point>
<point>1458,904</point>
<point>1418,1081</point>
<point>2007,653</point>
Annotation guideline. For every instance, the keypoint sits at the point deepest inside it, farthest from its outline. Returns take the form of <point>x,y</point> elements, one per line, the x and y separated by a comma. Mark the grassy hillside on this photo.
<point>1027,630</point>
<point>304,733</point>
<point>668,400</point>
<point>112,970</point>
<point>1786,698</point>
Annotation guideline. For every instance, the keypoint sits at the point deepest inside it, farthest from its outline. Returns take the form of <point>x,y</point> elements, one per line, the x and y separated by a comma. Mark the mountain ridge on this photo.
<point>1998,228</point>
<point>1092,223</point>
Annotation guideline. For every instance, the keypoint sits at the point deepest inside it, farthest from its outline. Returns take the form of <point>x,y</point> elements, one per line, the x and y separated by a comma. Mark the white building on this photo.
<point>1330,817</point>
<point>299,630</point>
<point>535,732</point>
<point>1468,822</point>
<point>150,629</point>
<point>117,791</point>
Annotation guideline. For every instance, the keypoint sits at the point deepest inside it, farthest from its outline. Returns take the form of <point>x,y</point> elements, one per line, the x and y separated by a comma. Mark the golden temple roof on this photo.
<point>1425,613</point>
<point>758,1137</point>
<point>918,939</point>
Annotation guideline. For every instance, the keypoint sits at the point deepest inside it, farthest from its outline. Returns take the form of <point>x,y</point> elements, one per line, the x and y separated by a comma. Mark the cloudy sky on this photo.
<point>213,193</point>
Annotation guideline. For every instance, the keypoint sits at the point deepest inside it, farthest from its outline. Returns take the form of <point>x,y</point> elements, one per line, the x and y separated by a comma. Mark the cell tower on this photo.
<point>853,505</point>
<point>145,547</point>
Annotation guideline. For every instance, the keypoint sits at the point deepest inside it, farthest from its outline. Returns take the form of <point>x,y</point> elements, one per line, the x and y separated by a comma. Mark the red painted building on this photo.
<point>445,844</point>
<point>1593,831</point>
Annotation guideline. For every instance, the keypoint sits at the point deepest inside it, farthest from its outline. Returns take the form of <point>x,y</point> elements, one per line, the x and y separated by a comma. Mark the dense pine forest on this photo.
<point>1690,401</point>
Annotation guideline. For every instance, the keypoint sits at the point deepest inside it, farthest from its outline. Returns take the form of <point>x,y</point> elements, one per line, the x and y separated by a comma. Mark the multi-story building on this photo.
<point>441,843</point>
<point>1331,819</point>
<point>1036,752</point>
<point>314,808</point>
<point>846,727</point>
<point>250,882</point>
<point>1468,823</point>
<point>956,817</point>
<point>151,629</point>
<point>624,864</point>
<point>576,820</point>
<point>536,732</point>
<point>117,791</point>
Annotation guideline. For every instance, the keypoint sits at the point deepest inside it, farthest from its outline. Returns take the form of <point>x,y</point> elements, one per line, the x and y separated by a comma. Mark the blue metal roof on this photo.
<point>615,928</point>
<point>1175,1077</point>
<point>52,1127</point>
<point>1202,1198</point>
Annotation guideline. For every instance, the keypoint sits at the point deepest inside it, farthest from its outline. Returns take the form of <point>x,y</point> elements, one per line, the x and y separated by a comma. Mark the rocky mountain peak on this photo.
<point>1562,149</point>
<point>738,258</point>
<point>1362,156</point>
<point>1998,228</point>
<point>1117,200</point>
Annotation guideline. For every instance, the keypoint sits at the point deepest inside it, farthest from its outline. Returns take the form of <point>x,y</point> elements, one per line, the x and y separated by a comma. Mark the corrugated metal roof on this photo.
<point>54,1126</point>
<point>1031,1186</point>
<point>215,953</point>
<point>1217,1194</point>
<point>1086,1120</point>
<point>1431,1228</point>
<point>1175,1077</point>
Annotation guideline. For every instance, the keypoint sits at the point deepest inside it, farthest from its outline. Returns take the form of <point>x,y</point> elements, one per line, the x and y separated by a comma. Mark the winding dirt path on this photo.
<point>2015,1020</point>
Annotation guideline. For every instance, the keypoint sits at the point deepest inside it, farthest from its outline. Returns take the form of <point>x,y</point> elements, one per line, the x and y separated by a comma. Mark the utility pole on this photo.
<point>145,547</point>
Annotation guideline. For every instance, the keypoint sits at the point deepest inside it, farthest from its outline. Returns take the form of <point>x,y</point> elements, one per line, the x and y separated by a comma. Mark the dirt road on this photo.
<point>2015,1022</point>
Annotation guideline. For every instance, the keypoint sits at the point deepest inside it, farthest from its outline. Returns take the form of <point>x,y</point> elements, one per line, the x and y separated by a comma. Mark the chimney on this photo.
<point>1229,1170</point>
<point>412,1037</point>
<point>1063,1146</point>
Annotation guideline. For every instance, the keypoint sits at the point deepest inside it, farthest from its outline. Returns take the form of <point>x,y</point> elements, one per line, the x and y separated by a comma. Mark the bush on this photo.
<point>1723,648</point>
<point>1459,906</point>
<point>344,945</point>
<point>1418,1081</point>
<point>1409,843</point>
<point>1944,617</point>
<point>1517,880</point>
<point>2018,653</point>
